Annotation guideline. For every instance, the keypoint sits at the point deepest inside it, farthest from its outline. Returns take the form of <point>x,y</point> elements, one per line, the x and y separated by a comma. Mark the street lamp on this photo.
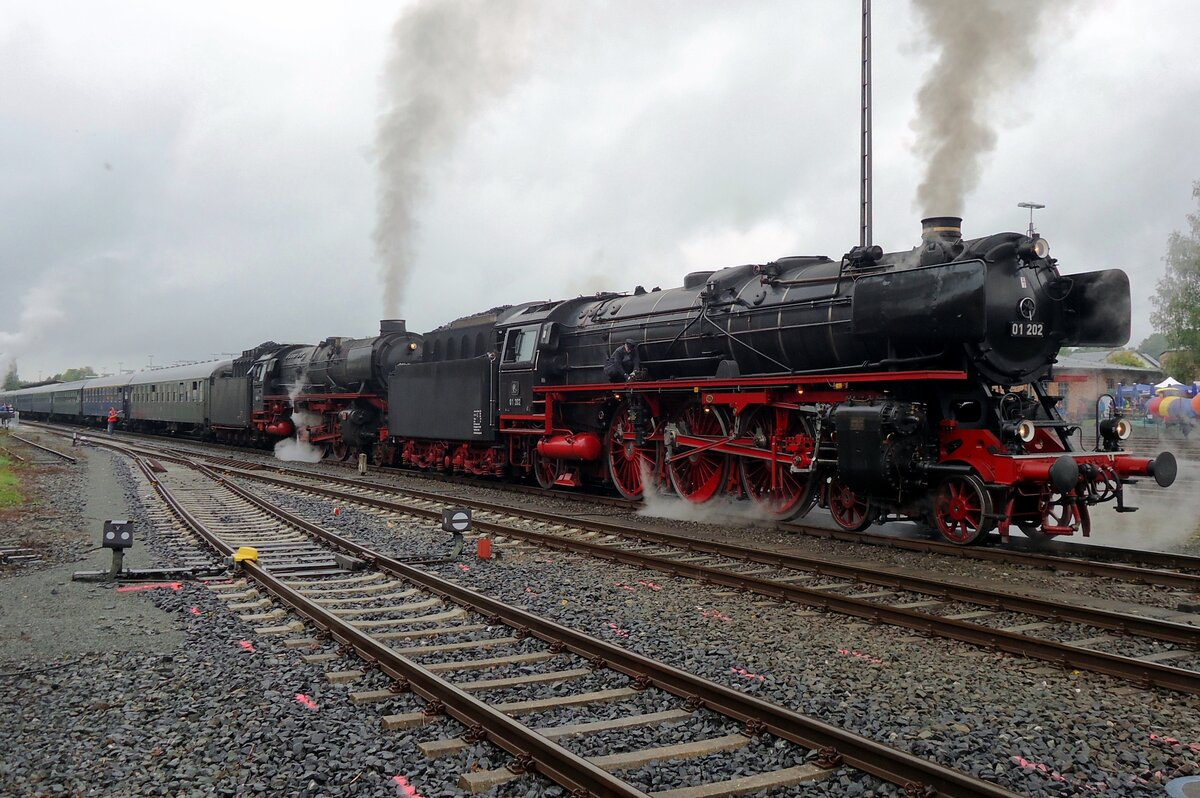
<point>1032,206</point>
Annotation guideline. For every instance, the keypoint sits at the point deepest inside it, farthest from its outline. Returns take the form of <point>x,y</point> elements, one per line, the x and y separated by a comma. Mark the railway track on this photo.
<point>1149,567</point>
<point>394,617</point>
<point>40,454</point>
<point>1160,652</point>
<point>926,605</point>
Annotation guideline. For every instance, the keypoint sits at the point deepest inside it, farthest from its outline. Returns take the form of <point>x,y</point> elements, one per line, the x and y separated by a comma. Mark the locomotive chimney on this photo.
<point>391,326</point>
<point>941,228</point>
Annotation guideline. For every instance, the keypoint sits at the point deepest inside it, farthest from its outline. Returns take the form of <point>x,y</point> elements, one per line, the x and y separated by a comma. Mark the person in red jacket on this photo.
<point>112,419</point>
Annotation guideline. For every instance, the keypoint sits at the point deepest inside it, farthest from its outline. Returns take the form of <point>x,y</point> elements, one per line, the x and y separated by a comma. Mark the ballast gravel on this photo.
<point>1033,728</point>
<point>231,712</point>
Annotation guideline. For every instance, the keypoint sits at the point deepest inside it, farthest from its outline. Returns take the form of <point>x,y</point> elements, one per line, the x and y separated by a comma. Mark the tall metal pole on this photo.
<point>864,217</point>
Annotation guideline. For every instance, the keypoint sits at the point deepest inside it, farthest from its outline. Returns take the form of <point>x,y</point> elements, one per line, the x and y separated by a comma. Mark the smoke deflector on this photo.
<point>1096,310</point>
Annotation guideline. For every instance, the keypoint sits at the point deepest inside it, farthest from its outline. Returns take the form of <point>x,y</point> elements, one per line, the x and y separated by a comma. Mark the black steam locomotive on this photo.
<point>906,385</point>
<point>901,386</point>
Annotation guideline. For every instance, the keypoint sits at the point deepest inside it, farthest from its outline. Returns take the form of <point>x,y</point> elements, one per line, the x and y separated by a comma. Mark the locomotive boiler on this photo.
<point>997,304</point>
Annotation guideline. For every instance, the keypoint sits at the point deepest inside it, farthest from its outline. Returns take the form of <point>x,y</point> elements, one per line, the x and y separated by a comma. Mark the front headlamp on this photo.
<point>1116,428</point>
<point>1026,431</point>
<point>1033,249</point>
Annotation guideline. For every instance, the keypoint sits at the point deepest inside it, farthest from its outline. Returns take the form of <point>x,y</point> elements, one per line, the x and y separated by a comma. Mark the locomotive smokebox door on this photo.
<point>117,535</point>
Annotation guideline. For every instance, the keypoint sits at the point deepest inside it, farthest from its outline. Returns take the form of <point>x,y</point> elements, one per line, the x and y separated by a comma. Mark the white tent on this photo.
<point>1168,383</point>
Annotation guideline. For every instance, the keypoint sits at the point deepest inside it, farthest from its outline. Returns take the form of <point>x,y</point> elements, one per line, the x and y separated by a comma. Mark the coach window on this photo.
<point>520,344</point>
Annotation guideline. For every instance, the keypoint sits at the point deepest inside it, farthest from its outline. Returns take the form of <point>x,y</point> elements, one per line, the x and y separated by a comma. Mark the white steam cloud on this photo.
<point>297,449</point>
<point>41,311</point>
<point>983,48</point>
<point>449,59</point>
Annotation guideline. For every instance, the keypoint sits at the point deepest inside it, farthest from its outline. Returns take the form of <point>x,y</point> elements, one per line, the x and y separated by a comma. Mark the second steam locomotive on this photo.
<point>901,386</point>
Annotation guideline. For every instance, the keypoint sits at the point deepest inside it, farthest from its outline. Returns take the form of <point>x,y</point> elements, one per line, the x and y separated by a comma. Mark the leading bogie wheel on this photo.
<point>962,510</point>
<point>1058,510</point>
<point>849,510</point>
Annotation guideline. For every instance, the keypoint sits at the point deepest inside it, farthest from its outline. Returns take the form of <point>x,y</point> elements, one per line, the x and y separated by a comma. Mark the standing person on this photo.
<point>112,419</point>
<point>623,362</point>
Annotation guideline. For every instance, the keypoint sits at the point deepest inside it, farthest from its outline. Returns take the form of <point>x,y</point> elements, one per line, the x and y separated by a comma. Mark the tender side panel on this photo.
<point>448,400</point>
<point>230,402</point>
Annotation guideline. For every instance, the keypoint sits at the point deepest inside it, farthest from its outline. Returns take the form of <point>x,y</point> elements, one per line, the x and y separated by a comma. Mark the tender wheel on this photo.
<point>339,449</point>
<point>629,465</point>
<point>849,511</point>
<point>546,470</point>
<point>702,474</point>
<point>791,493</point>
<point>962,510</point>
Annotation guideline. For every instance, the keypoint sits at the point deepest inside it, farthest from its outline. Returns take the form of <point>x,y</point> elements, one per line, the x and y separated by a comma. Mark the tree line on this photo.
<point>1177,300</point>
<point>12,380</point>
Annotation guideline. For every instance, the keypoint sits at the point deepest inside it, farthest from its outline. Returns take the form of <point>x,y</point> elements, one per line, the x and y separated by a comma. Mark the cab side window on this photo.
<point>520,345</point>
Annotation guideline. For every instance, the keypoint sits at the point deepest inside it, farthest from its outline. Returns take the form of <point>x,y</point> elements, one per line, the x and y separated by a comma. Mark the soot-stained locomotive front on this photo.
<point>906,385</point>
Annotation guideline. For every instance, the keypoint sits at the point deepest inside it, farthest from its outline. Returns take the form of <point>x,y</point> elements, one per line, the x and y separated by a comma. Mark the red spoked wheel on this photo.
<point>962,510</point>
<point>339,449</point>
<point>630,465</point>
<point>850,511</point>
<point>699,474</point>
<point>546,470</point>
<point>789,494</point>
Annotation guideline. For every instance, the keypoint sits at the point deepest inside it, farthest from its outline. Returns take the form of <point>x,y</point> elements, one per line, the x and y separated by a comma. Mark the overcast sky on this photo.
<point>183,180</point>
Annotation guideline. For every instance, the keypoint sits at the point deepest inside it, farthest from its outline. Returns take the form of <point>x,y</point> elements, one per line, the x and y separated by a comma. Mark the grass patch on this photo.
<point>10,493</point>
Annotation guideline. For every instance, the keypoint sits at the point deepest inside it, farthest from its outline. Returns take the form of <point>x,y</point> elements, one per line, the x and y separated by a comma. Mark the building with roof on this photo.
<point>1081,378</point>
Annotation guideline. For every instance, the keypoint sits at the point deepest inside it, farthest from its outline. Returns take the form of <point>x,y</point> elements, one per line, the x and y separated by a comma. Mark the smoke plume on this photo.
<point>983,48</point>
<point>41,311</point>
<point>449,59</point>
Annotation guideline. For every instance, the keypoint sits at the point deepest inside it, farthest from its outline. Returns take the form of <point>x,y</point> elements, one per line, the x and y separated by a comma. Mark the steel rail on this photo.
<point>915,774</point>
<point>565,768</point>
<point>1069,557</point>
<point>1153,628</point>
<point>880,760</point>
<point>12,454</point>
<point>1137,671</point>
<point>1068,562</point>
<point>36,445</point>
<point>1139,565</point>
